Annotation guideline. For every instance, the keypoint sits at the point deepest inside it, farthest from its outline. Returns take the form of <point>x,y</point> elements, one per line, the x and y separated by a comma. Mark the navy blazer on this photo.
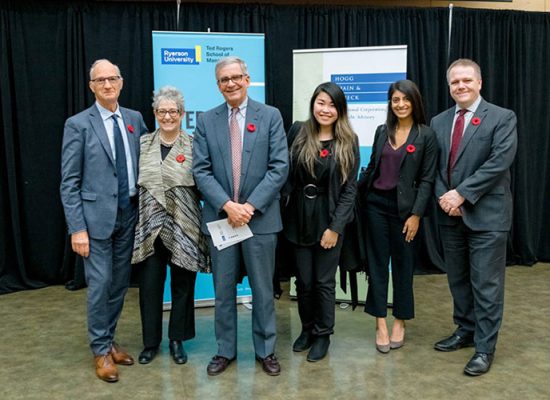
<point>264,165</point>
<point>416,173</point>
<point>89,186</point>
<point>481,173</point>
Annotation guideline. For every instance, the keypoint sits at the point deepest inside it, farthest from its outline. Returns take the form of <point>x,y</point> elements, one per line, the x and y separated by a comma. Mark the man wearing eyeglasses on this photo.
<point>99,162</point>
<point>240,163</point>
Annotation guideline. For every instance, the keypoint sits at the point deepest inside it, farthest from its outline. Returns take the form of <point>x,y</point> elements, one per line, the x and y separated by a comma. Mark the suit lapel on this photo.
<point>249,138</point>
<point>126,120</point>
<point>99,129</point>
<point>413,134</point>
<point>221,128</point>
<point>380,145</point>
<point>471,129</point>
<point>447,132</point>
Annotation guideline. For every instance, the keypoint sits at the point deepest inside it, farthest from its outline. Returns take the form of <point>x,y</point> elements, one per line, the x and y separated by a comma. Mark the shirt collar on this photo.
<point>106,114</point>
<point>472,108</point>
<point>242,106</point>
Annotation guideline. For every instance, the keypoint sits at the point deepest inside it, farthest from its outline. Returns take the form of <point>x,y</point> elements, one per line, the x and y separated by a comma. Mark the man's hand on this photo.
<point>451,200</point>
<point>411,227</point>
<point>329,239</point>
<point>455,212</point>
<point>250,208</point>
<point>81,243</point>
<point>238,214</point>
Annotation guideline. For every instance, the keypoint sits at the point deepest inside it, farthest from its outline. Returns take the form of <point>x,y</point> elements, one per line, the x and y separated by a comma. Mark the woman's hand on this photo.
<point>411,227</point>
<point>329,239</point>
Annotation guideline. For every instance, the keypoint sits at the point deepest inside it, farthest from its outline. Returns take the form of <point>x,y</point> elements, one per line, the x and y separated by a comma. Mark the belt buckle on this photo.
<point>310,186</point>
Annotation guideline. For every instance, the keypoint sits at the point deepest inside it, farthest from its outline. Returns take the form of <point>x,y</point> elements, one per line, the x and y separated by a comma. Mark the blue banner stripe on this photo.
<point>368,78</point>
<point>364,87</point>
<point>378,97</point>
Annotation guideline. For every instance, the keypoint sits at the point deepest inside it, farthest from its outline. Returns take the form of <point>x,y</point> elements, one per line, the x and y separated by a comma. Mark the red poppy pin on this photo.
<point>251,127</point>
<point>476,121</point>
<point>180,158</point>
<point>411,148</point>
<point>130,128</point>
<point>324,153</point>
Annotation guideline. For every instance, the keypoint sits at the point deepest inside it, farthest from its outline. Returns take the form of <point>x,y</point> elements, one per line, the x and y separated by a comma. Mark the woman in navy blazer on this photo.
<point>395,189</point>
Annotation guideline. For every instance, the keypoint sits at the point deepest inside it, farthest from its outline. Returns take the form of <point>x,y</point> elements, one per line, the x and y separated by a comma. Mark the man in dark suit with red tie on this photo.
<point>477,144</point>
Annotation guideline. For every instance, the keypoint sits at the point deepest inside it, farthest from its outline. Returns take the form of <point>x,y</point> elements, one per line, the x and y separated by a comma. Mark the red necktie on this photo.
<point>455,142</point>
<point>236,151</point>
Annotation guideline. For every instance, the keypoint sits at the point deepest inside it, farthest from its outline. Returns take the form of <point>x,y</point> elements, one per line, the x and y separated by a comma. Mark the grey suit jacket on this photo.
<point>482,169</point>
<point>89,186</point>
<point>264,166</point>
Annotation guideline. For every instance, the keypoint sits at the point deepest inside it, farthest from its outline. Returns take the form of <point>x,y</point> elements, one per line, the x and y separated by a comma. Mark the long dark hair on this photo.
<point>409,89</point>
<point>306,146</point>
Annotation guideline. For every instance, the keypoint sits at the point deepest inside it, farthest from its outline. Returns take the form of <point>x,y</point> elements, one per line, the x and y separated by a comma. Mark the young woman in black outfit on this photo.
<point>321,194</point>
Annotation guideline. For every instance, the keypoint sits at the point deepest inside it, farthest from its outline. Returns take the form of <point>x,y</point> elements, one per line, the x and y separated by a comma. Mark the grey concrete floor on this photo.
<point>44,352</point>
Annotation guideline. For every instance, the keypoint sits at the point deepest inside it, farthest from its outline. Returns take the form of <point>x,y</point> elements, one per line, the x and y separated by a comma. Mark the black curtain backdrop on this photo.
<point>513,50</point>
<point>46,50</point>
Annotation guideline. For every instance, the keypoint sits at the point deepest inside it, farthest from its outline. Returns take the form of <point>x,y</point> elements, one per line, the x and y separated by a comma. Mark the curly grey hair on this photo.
<point>168,93</point>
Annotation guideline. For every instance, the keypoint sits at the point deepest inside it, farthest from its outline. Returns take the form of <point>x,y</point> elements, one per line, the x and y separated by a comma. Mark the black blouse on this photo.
<point>307,215</point>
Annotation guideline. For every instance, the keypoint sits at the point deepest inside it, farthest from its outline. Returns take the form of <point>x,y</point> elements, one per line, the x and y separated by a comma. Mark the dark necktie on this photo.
<point>236,152</point>
<point>455,142</point>
<point>121,167</point>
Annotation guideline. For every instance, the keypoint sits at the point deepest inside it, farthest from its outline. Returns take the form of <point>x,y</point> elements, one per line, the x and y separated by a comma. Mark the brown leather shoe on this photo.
<point>105,368</point>
<point>120,356</point>
<point>270,365</point>
<point>217,365</point>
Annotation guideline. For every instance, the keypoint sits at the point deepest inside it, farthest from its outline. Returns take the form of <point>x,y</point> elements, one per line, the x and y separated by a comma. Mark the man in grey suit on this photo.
<point>477,144</point>
<point>240,163</point>
<point>99,165</point>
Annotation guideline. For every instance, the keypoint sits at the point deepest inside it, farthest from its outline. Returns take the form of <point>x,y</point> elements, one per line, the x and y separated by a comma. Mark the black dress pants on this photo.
<point>316,286</point>
<point>385,241</point>
<point>152,273</point>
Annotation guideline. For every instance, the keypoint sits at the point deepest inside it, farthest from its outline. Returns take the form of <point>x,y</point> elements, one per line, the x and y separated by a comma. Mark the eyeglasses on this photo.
<point>237,79</point>
<point>162,113</point>
<point>113,80</point>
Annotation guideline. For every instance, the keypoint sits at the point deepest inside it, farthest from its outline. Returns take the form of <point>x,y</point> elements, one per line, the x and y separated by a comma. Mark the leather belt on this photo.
<point>311,191</point>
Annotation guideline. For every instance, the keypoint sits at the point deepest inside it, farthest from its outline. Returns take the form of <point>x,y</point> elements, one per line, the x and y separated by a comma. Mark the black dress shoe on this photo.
<point>479,364</point>
<point>319,348</point>
<point>147,355</point>
<point>177,351</point>
<point>217,365</point>
<point>270,365</point>
<point>454,342</point>
<point>303,342</point>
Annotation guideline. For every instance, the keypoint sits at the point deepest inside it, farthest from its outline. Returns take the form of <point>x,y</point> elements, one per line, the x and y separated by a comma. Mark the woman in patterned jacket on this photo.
<point>168,230</point>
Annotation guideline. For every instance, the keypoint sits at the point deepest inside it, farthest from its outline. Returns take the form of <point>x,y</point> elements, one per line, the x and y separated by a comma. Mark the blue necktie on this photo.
<point>121,168</point>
